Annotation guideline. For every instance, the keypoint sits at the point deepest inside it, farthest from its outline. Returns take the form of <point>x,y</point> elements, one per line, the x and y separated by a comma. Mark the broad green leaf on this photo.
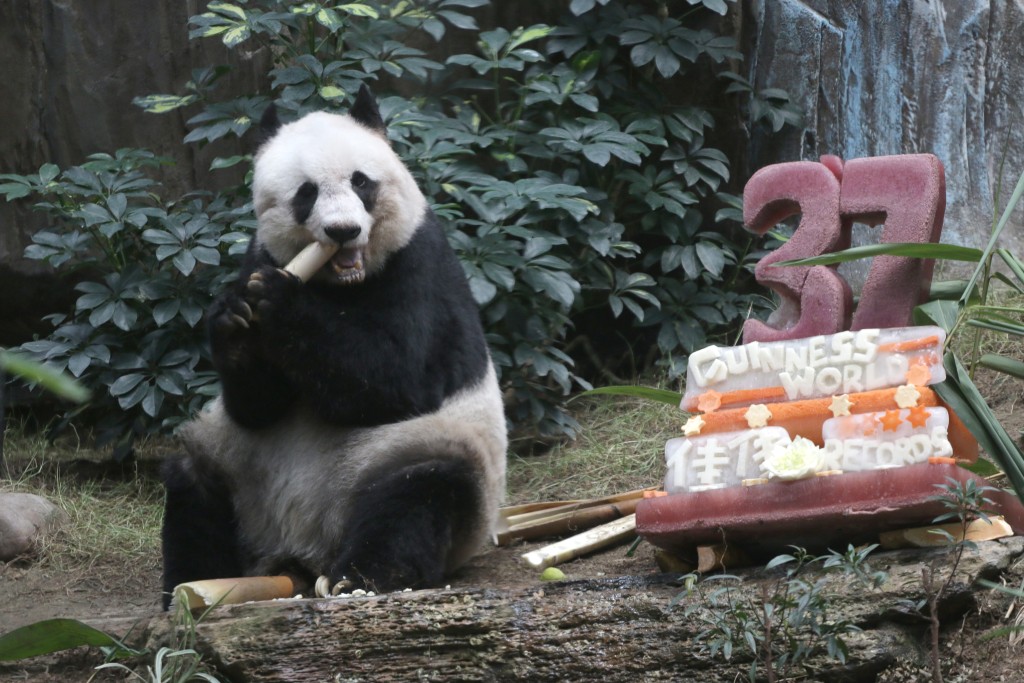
<point>329,92</point>
<point>950,252</point>
<point>54,635</point>
<point>659,395</point>
<point>160,104</point>
<point>532,33</point>
<point>943,313</point>
<point>227,8</point>
<point>360,10</point>
<point>46,377</point>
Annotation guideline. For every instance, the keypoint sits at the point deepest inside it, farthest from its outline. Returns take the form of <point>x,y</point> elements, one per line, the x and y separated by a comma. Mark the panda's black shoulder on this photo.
<point>426,275</point>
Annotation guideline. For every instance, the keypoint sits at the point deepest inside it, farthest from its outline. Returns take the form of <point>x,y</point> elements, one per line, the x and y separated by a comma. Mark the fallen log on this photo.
<point>623,629</point>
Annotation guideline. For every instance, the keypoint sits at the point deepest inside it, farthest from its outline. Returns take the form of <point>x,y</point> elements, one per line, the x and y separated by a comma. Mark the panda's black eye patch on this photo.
<point>303,201</point>
<point>365,188</point>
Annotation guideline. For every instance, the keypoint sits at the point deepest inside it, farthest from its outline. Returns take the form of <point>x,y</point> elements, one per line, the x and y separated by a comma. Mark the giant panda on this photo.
<point>360,432</point>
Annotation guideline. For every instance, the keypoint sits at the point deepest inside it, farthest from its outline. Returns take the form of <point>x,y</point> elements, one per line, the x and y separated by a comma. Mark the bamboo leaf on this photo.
<point>949,252</point>
<point>660,395</point>
<point>964,399</point>
<point>46,377</point>
<point>998,326</point>
<point>942,313</point>
<point>1018,191</point>
<point>1013,263</point>
<point>54,635</point>
<point>1009,366</point>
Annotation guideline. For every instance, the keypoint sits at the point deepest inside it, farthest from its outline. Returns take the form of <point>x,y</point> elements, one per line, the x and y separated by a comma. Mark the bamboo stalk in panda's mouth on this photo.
<point>310,260</point>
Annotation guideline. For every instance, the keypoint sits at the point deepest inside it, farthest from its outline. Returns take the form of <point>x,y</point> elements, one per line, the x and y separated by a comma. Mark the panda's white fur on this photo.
<point>297,507</point>
<point>278,172</point>
<point>286,449</point>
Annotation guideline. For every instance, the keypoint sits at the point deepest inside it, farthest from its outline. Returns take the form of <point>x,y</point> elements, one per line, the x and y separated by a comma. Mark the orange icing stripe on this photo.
<point>743,397</point>
<point>804,418</point>
<point>909,345</point>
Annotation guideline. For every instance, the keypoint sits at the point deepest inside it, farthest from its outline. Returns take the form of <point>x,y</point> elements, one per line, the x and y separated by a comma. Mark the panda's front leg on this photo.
<point>404,524</point>
<point>256,391</point>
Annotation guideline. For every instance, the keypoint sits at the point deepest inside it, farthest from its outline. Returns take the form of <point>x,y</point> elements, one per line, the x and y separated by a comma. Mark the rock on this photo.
<point>25,519</point>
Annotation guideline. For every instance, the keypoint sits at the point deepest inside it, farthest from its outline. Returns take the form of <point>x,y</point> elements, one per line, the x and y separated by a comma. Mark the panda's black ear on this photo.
<point>364,111</point>
<point>269,125</point>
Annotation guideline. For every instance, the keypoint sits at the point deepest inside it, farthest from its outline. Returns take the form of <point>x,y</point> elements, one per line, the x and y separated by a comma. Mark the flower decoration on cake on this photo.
<point>758,415</point>
<point>919,374</point>
<point>841,405</point>
<point>709,402</point>
<point>906,396</point>
<point>693,426</point>
<point>798,459</point>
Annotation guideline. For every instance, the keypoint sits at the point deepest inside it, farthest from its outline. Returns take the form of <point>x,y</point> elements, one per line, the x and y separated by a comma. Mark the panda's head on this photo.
<point>333,178</point>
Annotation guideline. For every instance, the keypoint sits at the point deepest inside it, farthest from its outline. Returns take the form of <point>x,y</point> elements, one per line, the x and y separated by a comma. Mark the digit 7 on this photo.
<point>907,193</point>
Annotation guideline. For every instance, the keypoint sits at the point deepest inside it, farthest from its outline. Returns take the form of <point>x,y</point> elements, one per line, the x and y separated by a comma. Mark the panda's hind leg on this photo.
<point>404,523</point>
<point>200,534</point>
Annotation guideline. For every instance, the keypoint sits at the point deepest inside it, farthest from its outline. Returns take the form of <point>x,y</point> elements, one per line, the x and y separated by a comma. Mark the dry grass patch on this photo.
<point>111,520</point>
<point>621,447</point>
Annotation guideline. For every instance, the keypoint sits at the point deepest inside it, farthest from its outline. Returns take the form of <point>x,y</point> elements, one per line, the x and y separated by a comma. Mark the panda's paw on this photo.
<point>387,567</point>
<point>230,326</point>
<point>269,290</point>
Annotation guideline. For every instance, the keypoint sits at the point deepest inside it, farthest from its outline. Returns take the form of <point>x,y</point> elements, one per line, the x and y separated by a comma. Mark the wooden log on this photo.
<point>612,630</point>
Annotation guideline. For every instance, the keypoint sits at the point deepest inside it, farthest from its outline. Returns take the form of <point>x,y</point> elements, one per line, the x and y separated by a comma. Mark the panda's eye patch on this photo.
<point>359,179</point>
<point>303,201</point>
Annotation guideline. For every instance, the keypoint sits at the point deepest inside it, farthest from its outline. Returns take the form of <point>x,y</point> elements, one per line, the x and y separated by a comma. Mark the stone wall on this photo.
<point>895,77</point>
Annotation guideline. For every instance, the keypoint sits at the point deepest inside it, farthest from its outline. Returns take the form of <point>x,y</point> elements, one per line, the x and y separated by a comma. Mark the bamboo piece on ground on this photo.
<point>572,521</point>
<point>201,594</point>
<point>925,536</point>
<point>311,259</point>
<point>580,544</point>
<point>516,516</point>
<point>720,556</point>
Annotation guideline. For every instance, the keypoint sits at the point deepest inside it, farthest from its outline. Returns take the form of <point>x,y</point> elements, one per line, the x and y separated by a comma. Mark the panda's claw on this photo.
<point>239,320</point>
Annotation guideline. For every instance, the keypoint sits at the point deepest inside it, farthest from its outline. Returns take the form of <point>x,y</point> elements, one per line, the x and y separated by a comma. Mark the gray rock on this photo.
<point>25,519</point>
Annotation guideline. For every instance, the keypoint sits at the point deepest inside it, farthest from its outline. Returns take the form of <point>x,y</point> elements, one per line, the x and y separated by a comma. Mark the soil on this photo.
<point>115,596</point>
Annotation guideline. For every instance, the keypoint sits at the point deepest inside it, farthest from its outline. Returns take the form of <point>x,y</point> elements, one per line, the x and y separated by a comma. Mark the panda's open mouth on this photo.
<point>347,266</point>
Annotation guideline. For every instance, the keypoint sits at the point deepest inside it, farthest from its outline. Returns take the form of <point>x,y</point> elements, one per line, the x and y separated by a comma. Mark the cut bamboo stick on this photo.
<point>536,520</point>
<point>925,536</point>
<point>581,544</point>
<point>202,594</point>
<point>311,259</point>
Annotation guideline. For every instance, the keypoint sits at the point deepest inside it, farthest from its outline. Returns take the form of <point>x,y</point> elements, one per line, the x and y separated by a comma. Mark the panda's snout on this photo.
<point>343,233</point>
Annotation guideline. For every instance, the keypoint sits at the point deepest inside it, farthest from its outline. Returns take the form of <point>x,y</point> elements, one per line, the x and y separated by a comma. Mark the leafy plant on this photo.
<point>785,622</point>
<point>179,663</point>
<point>145,271</point>
<point>572,174</point>
<point>571,167</point>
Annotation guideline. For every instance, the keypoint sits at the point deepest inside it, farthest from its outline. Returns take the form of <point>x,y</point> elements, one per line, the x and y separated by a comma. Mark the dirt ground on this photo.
<point>105,591</point>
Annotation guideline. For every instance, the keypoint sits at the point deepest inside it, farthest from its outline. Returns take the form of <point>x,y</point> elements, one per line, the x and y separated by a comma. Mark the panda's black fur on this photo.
<point>360,431</point>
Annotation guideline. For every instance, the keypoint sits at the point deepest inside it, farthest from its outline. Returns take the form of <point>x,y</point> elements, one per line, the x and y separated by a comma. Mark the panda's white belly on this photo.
<point>293,482</point>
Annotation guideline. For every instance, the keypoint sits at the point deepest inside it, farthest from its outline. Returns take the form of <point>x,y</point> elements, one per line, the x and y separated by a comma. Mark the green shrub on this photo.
<point>570,162</point>
<point>145,271</point>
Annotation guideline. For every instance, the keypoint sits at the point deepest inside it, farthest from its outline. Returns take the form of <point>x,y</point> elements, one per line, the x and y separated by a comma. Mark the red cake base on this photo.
<point>815,513</point>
